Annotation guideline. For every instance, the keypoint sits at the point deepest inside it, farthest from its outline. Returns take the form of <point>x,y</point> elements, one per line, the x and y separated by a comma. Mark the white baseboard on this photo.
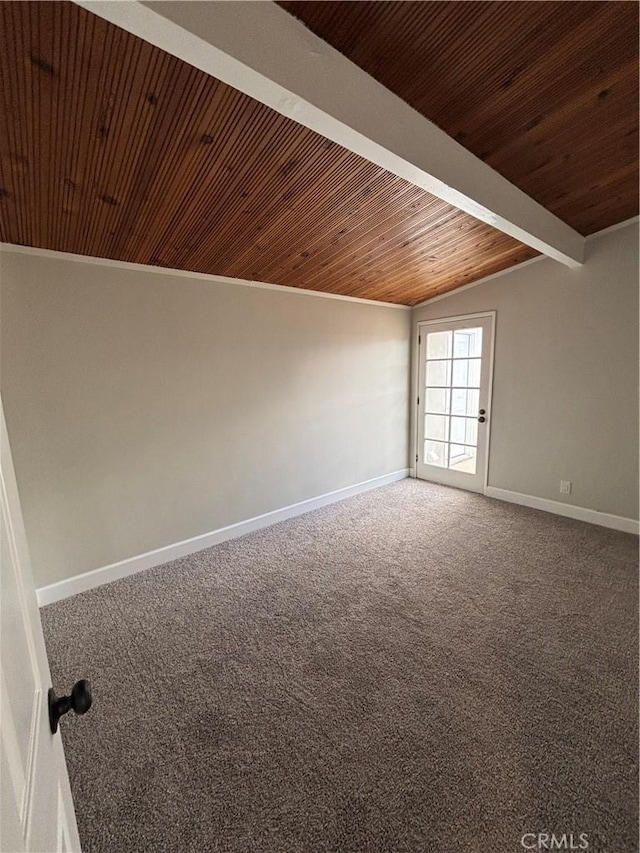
<point>106,574</point>
<point>604,519</point>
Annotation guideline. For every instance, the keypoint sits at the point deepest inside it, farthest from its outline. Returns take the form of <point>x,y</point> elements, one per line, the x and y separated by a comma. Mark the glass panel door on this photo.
<point>453,401</point>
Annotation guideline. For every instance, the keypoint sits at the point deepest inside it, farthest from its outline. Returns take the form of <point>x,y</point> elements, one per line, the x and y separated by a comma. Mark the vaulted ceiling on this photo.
<point>110,147</point>
<point>544,92</point>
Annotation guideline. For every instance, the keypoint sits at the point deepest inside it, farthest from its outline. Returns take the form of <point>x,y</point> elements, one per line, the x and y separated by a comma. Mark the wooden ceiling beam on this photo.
<point>261,50</point>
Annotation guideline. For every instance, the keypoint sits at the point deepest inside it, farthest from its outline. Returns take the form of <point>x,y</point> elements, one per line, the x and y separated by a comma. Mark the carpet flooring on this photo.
<point>414,669</point>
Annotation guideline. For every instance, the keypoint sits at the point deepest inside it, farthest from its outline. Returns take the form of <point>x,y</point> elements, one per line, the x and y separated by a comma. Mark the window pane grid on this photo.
<point>451,403</point>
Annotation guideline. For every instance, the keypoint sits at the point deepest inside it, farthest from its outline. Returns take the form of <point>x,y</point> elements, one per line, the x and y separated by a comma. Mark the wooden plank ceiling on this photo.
<point>112,148</point>
<point>546,93</point>
<point>109,147</point>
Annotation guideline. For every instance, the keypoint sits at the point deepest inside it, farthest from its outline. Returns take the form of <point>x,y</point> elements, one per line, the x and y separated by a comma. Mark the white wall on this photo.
<point>565,395</point>
<point>144,408</point>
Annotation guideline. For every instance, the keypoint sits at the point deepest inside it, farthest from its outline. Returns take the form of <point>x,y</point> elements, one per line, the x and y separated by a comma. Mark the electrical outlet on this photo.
<point>565,487</point>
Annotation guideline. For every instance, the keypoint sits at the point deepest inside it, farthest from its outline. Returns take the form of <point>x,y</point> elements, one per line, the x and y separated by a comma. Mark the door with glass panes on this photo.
<point>454,384</point>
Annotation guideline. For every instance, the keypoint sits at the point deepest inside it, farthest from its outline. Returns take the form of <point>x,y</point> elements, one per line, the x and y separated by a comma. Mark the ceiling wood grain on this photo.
<point>546,93</point>
<point>110,147</point>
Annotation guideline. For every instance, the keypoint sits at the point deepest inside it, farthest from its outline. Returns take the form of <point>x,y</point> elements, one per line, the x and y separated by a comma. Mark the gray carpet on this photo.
<point>414,669</point>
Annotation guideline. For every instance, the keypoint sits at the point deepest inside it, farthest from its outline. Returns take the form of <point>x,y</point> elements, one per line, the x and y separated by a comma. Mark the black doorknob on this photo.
<point>482,412</point>
<point>481,419</point>
<point>79,701</point>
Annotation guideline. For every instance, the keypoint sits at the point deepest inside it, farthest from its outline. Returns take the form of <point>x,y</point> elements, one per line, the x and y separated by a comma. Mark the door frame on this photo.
<point>424,324</point>
<point>40,776</point>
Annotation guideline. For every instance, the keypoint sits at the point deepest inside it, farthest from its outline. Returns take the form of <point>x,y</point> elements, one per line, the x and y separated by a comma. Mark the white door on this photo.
<point>454,391</point>
<point>36,806</point>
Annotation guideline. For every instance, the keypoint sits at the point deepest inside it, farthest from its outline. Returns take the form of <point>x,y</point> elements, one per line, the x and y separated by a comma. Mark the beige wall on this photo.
<point>565,398</point>
<point>144,409</point>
